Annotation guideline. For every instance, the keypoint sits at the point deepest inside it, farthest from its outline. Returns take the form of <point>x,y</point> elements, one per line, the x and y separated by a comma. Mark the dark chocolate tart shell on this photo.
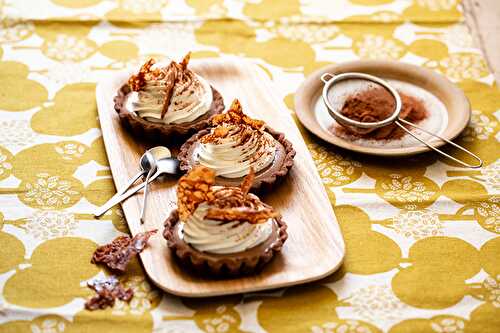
<point>264,179</point>
<point>153,131</point>
<point>223,265</point>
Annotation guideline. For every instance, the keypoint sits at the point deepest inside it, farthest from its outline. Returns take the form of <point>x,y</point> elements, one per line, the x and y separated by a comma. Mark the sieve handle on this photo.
<point>327,77</point>
<point>467,165</point>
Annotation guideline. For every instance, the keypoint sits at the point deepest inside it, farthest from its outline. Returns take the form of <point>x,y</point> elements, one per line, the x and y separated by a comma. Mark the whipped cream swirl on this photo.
<point>222,237</point>
<point>241,148</point>
<point>191,98</point>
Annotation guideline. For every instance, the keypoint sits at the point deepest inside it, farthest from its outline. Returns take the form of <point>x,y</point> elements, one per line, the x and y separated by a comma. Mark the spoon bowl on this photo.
<point>160,152</point>
<point>152,163</point>
<point>164,166</point>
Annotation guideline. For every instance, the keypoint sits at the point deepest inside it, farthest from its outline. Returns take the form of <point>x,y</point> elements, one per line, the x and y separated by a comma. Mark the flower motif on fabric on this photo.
<point>490,212</point>
<point>143,6</point>
<point>334,169</point>
<point>66,72</point>
<point>460,66</point>
<point>378,47</point>
<point>49,191</point>
<point>169,37</point>
<point>480,127</point>
<point>448,325</point>
<point>145,297</point>
<point>491,174</point>
<point>417,224</point>
<point>220,324</point>
<point>13,30</point>
<point>70,151</point>
<point>437,5</point>
<point>490,290</point>
<point>458,35</point>
<point>385,16</point>
<point>345,326</point>
<point>48,224</point>
<point>4,164</point>
<point>16,134</point>
<point>376,302</point>
<point>48,326</point>
<point>309,33</point>
<point>68,48</point>
<point>405,190</point>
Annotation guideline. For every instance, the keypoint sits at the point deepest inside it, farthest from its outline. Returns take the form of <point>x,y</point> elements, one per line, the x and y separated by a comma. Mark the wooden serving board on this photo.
<point>314,248</point>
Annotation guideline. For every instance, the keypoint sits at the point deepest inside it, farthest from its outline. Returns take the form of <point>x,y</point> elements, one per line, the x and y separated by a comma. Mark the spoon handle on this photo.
<point>145,197</point>
<point>117,198</point>
<point>131,182</point>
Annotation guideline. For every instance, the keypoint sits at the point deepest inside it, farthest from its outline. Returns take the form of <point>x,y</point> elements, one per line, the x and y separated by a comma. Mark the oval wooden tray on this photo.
<point>314,248</point>
<point>457,105</point>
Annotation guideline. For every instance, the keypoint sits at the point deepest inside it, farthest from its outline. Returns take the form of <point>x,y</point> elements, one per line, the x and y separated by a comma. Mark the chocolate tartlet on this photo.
<point>235,143</point>
<point>222,231</point>
<point>167,102</point>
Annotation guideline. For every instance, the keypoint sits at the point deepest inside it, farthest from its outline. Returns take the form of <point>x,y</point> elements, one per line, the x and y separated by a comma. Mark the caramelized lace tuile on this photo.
<point>137,81</point>
<point>107,291</point>
<point>193,189</point>
<point>223,123</point>
<point>242,214</point>
<point>117,254</point>
<point>227,203</point>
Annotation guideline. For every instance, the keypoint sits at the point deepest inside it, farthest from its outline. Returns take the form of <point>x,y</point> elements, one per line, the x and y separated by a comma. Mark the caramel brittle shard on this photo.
<point>117,254</point>
<point>107,291</point>
<point>219,132</point>
<point>174,73</point>
<point>170,78</point>
<point>137,81</point>
<point>247,182</point>
<point>243,214</point>
<point>235,116</point>
<point>193,189</point>
<point>185,61</point>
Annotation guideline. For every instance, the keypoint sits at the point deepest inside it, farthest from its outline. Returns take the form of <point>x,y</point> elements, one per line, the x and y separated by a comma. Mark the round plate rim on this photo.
<point>307,93</point>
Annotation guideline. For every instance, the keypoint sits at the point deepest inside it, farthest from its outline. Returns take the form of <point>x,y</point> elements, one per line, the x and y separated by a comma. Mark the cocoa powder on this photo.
<point>377,104</point>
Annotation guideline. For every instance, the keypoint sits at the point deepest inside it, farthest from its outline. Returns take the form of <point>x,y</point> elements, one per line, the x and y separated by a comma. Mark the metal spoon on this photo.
<point>152,163</point>
<point>160,152</point>
<point>152,155</point>
<point>144,164</point>
<point>163,166</point>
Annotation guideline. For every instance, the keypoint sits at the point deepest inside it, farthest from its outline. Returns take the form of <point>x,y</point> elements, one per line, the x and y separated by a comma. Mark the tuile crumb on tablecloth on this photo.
<point>107,290</point>
<point>117,254</point>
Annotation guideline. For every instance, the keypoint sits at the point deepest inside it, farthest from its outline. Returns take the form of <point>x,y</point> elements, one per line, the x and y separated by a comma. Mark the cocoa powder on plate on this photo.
<point>377,104</point>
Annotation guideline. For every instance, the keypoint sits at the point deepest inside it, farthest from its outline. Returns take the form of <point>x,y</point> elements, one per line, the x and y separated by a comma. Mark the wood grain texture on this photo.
<point>483,19</point>
<point>315,247</point>
<point>453,98</point>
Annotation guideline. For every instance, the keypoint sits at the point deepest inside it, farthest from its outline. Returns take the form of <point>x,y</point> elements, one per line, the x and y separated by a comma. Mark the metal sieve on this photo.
<point>330,80</point>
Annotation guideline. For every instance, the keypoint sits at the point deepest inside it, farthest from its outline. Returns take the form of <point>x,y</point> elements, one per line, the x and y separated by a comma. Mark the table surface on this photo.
<point>421,233</point>
<point>482,17</point>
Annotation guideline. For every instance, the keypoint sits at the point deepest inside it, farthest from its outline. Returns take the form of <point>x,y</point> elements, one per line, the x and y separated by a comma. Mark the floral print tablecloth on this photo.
<point>423,252</point>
